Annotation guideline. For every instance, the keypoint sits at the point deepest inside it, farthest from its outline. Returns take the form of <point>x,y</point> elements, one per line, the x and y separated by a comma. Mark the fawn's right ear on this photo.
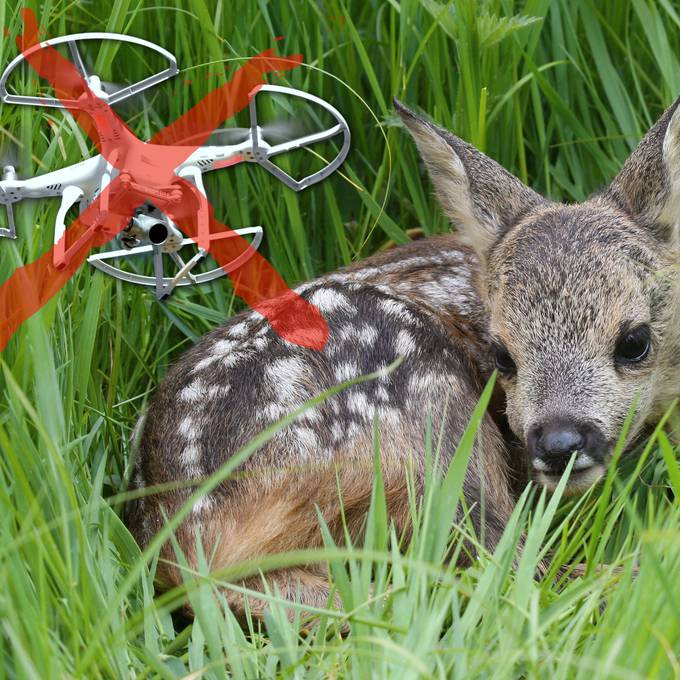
<point>648,186</point>
<point>477,194</point>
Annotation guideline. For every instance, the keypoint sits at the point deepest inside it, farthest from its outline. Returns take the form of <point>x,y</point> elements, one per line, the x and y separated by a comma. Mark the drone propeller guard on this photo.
<point>72,42</point>
<point>164,285</point>
<point>263,152</point>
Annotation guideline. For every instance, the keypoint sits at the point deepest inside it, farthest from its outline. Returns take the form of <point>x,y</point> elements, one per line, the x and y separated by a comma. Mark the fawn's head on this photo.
<point>583,305</point>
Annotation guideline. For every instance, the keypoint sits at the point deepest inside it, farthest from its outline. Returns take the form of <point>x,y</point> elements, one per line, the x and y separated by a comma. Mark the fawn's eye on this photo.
<point>633,345</point>
<point>504,362</point>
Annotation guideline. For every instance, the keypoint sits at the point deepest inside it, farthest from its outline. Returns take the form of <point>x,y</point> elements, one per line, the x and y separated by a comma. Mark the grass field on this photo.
<point>559,92</point>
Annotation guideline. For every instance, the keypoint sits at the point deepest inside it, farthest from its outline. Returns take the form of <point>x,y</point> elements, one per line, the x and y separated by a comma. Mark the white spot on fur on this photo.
<point>215,391</point>
<point>342,431</point>
<point>330,300</point>
<point>198,391</point>
<point>368,334</point>
<point>311,415</point>
<point>232,359</point>
<point>203,504</point>
<point>398,310</point>
<point>274,411</point>
<point>389,415</point>
<point>222,347</point>
<point>404,344</point>
<point>382,394</point>
<point>422,382</point>
<point>193,392</point>
<point>287,375</point>
<point>346,371</point>
<point>188,428</point>
<point>306,438</point>
<point>286,368</point>
<point>205,363</point>
<point>365,334</point>
<point>337,431</point>
<point>358,403</point>
<point>190,458</point>
<point>238,330</point>
<point>348,333</point>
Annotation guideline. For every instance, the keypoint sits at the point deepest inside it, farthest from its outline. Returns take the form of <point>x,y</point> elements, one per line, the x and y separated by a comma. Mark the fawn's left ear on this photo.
<point>648,186</point>
<point>477,194</point>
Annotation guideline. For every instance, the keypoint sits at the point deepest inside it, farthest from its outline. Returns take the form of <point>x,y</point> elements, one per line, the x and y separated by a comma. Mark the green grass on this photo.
<point>559,92</point>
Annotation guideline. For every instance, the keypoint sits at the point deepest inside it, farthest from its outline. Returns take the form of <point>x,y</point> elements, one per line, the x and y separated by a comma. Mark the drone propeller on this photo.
<point>262,151</point>
<point>227,136</point>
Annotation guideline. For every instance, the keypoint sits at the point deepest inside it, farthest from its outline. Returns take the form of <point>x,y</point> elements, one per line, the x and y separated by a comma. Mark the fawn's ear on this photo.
<point>477,194</point>
<point>648,186</point>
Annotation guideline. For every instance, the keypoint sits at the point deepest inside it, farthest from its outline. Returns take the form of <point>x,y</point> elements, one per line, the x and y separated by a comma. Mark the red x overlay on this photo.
<point>147,172</point>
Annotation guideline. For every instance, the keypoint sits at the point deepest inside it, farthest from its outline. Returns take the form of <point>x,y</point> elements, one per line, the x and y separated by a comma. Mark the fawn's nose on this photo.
<point>551,445</point>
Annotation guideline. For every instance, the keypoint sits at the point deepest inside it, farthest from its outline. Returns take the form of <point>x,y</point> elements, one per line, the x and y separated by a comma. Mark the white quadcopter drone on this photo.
<point>150,231</point>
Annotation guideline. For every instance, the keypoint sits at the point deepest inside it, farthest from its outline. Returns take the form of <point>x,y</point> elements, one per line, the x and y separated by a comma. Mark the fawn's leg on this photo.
<point>306,586</point>
<point>279,518</point>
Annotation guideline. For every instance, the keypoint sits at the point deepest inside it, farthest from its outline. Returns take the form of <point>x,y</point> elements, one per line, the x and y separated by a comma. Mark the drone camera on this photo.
<point>158,231</point>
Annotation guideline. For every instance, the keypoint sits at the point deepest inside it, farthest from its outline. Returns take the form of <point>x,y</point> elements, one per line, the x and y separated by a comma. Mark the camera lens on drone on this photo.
<point>158,233</point>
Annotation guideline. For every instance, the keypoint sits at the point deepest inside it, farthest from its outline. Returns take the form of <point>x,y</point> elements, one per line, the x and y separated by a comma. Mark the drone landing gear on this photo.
<point>152,232</point>
<point>7,197</point>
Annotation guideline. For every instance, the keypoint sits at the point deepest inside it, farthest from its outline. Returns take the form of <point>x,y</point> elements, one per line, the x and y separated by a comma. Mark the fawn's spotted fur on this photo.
<point>417,302</point>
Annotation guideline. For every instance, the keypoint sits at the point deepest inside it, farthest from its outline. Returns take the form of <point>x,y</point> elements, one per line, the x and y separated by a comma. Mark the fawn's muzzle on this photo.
<point>551,445</point>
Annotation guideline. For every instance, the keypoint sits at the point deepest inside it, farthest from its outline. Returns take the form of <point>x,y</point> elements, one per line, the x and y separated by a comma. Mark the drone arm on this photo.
<point>103,185</point>
<point>214,157</point>
<point>70,196</point>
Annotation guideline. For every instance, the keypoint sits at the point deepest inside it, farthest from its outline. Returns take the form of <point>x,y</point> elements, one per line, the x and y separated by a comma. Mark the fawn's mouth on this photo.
<point>581,478</point>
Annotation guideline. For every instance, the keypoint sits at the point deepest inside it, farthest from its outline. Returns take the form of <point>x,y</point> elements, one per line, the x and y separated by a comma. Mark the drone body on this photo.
<point>151,231</point>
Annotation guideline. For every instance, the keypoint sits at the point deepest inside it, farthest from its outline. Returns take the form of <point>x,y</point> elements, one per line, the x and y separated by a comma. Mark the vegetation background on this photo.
<point>559,92</point>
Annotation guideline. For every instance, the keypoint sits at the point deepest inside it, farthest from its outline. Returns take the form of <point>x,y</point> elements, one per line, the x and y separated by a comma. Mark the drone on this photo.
<point>150,232</point>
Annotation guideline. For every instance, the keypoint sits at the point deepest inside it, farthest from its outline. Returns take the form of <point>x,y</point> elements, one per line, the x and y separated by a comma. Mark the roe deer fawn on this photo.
<point>575,305</point>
